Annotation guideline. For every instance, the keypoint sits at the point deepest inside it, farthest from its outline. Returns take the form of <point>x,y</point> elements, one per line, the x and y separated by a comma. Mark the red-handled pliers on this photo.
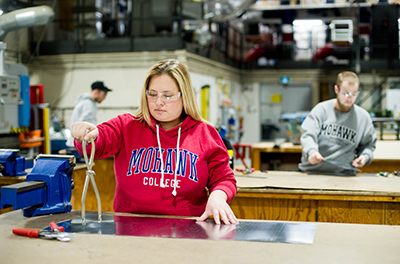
<point>57,232</point>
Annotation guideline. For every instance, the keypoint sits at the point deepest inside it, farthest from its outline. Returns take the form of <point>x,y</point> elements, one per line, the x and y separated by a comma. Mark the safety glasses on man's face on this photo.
<point>347,94</point>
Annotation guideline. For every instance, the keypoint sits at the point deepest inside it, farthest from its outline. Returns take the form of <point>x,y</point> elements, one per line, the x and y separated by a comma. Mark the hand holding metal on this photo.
<point>89,176</point>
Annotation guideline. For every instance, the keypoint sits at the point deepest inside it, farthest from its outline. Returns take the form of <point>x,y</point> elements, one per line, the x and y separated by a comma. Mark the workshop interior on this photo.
<point>278,59</point>
<point>258,68</point>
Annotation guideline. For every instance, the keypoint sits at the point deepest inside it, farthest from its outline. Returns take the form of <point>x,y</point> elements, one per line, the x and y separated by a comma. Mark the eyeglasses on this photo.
<point>165,97</point>
<point>347,94</point>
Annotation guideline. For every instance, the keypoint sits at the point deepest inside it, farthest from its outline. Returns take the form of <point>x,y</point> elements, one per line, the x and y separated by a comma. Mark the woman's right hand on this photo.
<point>78,131</point>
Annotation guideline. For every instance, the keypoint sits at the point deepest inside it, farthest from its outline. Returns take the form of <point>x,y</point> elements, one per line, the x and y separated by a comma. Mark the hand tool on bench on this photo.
<point>246,170</point>
<point>57,232</point>
<point>89,177</point>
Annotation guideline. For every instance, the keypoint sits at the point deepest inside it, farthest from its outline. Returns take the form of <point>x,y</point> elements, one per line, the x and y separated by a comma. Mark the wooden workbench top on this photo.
<point>289,180</point>
<point>270,147</point>
<point>333,243</point>
<point>385,150</point>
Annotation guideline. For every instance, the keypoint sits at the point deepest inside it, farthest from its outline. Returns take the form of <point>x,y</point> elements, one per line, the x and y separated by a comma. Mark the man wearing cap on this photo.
<point>85,106</point>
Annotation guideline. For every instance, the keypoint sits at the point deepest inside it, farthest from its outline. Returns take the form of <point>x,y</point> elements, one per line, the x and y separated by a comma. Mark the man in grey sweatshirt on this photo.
<point>85,106</point>
<point>338,136</point>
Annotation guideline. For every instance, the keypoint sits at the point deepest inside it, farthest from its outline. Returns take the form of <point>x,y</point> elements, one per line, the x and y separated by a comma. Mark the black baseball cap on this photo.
<point>100,85</point>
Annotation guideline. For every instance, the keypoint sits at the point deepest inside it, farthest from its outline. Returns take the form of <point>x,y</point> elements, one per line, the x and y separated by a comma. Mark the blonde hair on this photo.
<point>177,71</point>
<point>349,76</point>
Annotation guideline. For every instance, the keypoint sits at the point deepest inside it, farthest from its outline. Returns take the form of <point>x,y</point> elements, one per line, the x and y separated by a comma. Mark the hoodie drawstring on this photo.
<point>162,161</point>
<point>177,160</point>
<point>160,156</point>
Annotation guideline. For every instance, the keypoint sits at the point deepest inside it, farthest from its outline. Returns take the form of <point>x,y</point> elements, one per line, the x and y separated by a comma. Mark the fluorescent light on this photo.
<point>307,22</point>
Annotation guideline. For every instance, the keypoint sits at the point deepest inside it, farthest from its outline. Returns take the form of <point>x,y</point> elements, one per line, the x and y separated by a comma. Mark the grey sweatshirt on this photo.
<point>85,110</point>
<point>339,137</point>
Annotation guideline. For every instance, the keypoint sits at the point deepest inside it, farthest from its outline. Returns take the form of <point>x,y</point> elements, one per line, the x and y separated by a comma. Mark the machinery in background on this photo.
<point>47,190</point>
<point>230,121</point>
<point>15,108</point>
<point>340,49</point>
<point>112,17</point>
<point>222,132</point>
<point>14,100</point>
<point>293,127</point>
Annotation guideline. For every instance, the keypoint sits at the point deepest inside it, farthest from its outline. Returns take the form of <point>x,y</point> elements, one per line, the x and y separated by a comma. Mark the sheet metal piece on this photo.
<point>279,232</point>
<point>342,165</point>
<point>331,165</point>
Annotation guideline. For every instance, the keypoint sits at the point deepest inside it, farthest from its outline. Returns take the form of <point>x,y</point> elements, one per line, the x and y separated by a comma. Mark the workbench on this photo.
<point>265,156</point>
<point>281,195</point>
<point>287,157</point>
<point>333,243</point>
<point>297,196</point>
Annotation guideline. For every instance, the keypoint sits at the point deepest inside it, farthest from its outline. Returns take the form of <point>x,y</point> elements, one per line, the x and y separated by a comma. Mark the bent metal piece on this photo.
<point>89,177</point>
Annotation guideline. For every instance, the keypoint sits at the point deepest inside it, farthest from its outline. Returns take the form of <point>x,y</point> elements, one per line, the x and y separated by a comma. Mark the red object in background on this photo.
<point>254,54</point>
<point>287,37</point>
<point>324,52</point>
<point>340,51</point>
<point>36,93</point>
<point>240,150</point>
<point>365,30</point>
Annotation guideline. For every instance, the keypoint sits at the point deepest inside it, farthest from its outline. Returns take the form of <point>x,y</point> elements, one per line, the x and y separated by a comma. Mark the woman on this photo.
<point>192,162</point>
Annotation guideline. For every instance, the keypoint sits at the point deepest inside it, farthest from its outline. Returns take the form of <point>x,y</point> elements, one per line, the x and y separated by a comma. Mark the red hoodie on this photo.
<point>140,172</point>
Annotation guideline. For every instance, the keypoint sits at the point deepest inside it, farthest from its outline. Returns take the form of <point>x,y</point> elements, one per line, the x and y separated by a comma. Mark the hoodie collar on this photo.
<point>187,124</point>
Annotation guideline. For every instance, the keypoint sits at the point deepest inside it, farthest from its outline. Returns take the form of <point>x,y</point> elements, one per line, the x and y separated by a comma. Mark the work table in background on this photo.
<point>287,157</point>
<point>284,195</point>
<point>333,243</point>
<point>296,196</point>
<point>281,195</point>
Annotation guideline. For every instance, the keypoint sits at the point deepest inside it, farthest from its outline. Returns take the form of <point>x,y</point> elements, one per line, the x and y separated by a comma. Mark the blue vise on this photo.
<point>11,163</point>
<point>47,189</point>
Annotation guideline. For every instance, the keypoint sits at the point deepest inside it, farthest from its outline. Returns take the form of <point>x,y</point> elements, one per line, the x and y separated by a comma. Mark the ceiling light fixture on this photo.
<point>307,22</point>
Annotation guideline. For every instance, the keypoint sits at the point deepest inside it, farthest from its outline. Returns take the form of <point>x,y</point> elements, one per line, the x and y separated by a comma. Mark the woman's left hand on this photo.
<point>219,209</point>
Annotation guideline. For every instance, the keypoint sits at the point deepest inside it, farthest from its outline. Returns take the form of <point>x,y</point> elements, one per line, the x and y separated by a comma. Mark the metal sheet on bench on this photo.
<point>280,232</point>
